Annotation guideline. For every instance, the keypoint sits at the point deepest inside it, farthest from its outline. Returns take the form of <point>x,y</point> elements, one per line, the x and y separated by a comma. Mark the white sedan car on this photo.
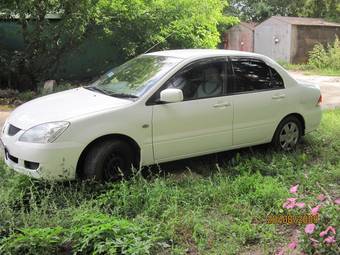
<point>160,107</point>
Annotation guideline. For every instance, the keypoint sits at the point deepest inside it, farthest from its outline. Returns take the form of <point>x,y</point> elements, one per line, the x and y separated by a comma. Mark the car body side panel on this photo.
<point>191,127</point>
<point>256,116</point>
<point>133,121</point>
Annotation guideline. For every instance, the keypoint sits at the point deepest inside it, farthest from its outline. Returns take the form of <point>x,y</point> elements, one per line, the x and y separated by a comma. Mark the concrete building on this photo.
<point>290,39</point>
<point>240,37</point>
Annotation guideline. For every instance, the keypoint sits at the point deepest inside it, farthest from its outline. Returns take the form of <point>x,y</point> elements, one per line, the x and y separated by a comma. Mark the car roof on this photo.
<point>197,53</point>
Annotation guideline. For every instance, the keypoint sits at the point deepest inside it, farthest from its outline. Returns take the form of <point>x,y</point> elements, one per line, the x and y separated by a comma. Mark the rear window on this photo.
<point>253,75</point>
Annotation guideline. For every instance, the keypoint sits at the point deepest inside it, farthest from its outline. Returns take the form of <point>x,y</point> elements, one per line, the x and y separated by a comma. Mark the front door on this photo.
<point>202,122</point>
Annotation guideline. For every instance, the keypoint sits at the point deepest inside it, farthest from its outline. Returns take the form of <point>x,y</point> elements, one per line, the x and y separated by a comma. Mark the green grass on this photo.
<point>218,206</point>
<point>307,70</point>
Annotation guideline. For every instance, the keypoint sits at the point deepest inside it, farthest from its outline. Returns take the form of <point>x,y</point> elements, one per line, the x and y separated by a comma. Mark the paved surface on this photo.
<point>329,85</point>
<point>3,117</point>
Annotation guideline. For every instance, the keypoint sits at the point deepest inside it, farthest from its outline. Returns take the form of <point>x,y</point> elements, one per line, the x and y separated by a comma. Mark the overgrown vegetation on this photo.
<point>322,60</point>
<point>217,207</point>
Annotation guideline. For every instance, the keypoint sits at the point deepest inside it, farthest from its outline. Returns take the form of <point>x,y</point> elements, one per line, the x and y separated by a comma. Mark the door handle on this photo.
<point>222,105</point>
<point>279,96</point>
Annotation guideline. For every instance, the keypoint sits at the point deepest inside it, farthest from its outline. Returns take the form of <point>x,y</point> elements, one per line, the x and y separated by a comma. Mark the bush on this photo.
<point>325,57</point>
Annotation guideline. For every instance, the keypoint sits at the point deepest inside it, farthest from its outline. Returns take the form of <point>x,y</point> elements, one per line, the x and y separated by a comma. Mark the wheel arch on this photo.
<point>299,117</point>
<point>134,145</point>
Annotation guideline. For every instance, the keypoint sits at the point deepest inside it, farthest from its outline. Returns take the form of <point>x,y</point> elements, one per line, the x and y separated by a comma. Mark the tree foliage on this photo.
<point>45,40</point>
<point>255,10</point>
<point>135,25</point>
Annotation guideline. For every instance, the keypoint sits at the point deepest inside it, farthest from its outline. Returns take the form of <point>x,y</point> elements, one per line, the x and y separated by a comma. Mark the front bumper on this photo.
<point>52,161</point>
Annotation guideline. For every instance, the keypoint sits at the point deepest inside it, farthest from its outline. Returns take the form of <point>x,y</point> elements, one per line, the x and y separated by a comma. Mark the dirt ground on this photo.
<point>329,85</point>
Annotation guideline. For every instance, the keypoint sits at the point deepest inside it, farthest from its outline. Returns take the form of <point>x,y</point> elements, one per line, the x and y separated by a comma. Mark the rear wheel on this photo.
<point>110,160</point>
<point>287,134</point>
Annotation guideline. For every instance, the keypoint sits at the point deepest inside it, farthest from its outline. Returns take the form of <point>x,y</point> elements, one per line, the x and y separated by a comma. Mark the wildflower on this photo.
<point>330,228</point>
<point>329,240</point>
<point>300,204</point>
<point>290,203</point>
<point>337,201</point>
<point>309,229</point>
<point>315,210</point>
<point>325,232</point>
<point>292,245</point>
<point>294,189</point>
<point>321,197</point>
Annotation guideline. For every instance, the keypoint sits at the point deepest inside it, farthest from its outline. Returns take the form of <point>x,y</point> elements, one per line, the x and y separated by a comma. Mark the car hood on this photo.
<point>63,106</point>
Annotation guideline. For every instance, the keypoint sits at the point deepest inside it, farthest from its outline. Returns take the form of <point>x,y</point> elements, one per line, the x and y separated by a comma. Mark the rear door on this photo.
<point>259,98</point>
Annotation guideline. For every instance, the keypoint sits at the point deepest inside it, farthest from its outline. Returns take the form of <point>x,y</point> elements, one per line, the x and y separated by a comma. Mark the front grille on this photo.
<point>12,130</point>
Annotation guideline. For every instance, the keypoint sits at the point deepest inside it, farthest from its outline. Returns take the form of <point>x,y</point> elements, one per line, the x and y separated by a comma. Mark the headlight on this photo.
<point>44,133</point>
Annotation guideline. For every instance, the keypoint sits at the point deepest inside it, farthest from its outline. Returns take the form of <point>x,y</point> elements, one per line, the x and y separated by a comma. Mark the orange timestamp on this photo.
<point>293,219</point>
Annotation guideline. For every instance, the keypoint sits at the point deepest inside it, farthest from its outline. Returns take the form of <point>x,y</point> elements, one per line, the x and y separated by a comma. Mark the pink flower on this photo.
<point>300,204</point>
<point>337,201</point>
<point>290,203</point>
<point>329,240</point>
<point>292,245</point>
<point>294,189</point>
<point>315,210</point>
<point>309,229</point>
<point>323,233</point>
<point>321,197</point>
<point>330,228</point>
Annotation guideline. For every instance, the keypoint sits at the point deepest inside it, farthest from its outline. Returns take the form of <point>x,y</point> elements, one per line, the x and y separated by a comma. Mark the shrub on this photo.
<point>325,57</point>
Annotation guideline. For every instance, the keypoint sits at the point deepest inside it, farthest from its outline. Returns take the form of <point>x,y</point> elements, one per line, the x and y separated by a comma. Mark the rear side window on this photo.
<point>277,81</point>
<point>253,75</point>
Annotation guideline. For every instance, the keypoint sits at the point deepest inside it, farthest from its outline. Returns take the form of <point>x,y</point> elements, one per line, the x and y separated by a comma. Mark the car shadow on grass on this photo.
<point>204,166</point>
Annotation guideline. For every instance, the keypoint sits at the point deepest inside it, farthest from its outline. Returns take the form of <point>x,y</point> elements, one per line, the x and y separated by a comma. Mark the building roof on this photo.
<point>196,53</point>
<point>299,21</point>
<point>250,25</point>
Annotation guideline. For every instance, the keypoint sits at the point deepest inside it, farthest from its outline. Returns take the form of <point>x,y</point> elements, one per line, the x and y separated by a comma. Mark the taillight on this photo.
<point>320,100</point>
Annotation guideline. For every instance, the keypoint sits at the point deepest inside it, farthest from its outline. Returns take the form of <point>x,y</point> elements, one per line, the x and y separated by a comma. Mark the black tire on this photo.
<point>110,160</point>
<point>287,141</point>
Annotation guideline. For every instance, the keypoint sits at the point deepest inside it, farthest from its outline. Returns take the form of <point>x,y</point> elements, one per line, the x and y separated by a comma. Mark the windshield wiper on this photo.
<point>123,95</point>
<point>95,88</point>
<point>103,91</point>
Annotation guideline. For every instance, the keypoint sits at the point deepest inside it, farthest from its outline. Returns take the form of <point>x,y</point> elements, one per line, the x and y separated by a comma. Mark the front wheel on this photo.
<point>110,160</point>
<point>287,134</point>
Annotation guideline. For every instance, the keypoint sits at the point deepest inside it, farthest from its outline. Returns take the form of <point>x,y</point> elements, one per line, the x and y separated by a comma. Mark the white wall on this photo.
<point>273,39</point>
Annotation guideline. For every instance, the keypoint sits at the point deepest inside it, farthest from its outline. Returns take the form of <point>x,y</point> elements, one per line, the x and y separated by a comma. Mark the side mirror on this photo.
<point>171,96</point>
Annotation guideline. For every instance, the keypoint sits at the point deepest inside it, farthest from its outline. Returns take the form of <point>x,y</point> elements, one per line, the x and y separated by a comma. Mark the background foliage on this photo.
<point>135,25</point>
<point>255,10</point>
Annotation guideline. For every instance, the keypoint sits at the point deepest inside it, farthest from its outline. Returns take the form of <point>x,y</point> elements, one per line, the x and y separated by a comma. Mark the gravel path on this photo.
<point>329,85</point>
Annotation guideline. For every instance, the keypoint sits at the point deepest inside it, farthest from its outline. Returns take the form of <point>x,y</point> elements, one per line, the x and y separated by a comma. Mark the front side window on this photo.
<point>253,75</point>
<point>202,80</point>
<point>135,77</point>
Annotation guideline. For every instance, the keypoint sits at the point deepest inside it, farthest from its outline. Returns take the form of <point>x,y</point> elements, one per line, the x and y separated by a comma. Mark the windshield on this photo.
<point>135,77</point>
